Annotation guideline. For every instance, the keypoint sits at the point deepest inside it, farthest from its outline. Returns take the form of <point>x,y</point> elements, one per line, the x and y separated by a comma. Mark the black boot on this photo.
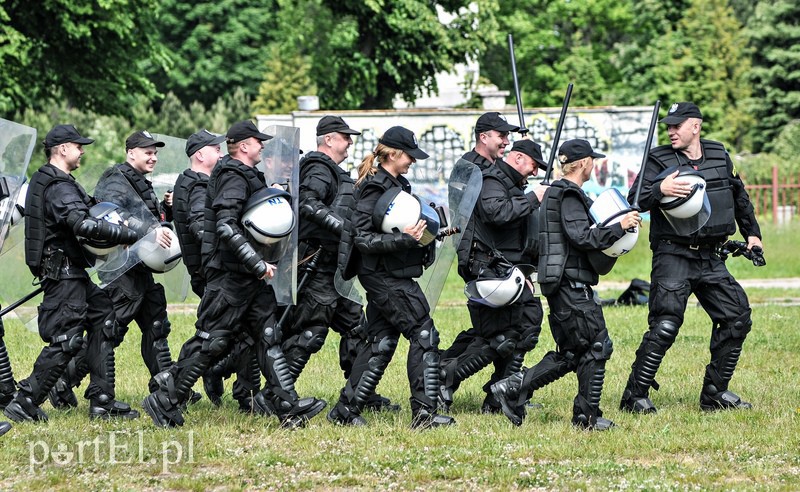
<point>22,409</point>
<point>106,408</point>
<point>426,419</point>
<point>711,400</point>
<point>61,395</point>
<point>4,427</point>
<point>341,414</point>
<point>507,392</point>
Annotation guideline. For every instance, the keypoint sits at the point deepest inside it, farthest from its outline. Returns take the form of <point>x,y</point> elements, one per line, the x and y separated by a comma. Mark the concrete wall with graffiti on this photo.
<point>618,132</point>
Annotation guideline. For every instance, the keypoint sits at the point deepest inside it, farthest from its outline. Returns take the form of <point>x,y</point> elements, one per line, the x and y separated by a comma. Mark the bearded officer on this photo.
<point>500,240</point>
<point>74,312</point>
<point>236,296</point>
<point>686,263</point>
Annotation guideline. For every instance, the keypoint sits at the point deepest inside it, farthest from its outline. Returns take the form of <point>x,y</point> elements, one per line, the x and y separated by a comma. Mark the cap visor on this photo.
<point>262,136</point>
<point>84,141</point>
<point>542,164</point>
<point>597,155</point>
<point>217,141</point>
<point>349,131</point>
<point>673,120</point>
<point>417,153</point>
<point>508,127</point>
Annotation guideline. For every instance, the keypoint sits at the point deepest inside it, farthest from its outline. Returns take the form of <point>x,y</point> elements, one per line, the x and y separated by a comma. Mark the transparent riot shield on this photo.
<point>172,161</point>
<point>461,192</point>
<point>16,147</point>
<point>113,187</point>
<point>279,163</point>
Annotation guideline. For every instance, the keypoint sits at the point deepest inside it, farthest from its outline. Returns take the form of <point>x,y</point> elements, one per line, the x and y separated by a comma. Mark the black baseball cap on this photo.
<point>531,149</point>
<point>142,139</point>
<point>494,121</point>
<point>403,139</point>
<point>576,149</point>
<point>63,134</point>
<point>678,113</point>
<point>330,124</point>
<point>245,129</point>
<point>203,138</point>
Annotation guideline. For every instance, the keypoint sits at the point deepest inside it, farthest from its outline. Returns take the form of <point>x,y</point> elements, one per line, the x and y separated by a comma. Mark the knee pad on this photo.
<point>70,343</point>
<point>503,345</point>
<point>215,346</point>
<point>271,335</point>
<point>161,329</point>
<point>663,332</point>
<point>384,345</point>
<point>602,347</point>
<point>313,338</point>
<point>428,336</point>
<point>739,327</point>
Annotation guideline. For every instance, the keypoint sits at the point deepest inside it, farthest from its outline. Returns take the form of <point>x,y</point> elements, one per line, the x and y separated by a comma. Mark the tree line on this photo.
<point>173,64</point>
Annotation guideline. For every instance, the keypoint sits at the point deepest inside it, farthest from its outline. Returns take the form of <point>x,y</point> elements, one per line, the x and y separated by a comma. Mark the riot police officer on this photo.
<point>236,297</point>
<point>685,260</point>
<point>189,201</point>
<point>135,294</point>
<point>567,271</point>
<point>387,264</point>
<point>499,241</point>
<point>326,202</point>
<point>74,313</point>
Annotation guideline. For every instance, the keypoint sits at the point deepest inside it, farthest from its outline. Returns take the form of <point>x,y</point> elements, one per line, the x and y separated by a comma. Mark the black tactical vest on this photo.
<point>556,258</point>
<point>342,203</point>
<point>42,231</point>
<point>144,188</point>
<point>181,207</point>
<point>719,190</point>
<point>217,254</point>
<point>508,240</point>
<point>408,263</point>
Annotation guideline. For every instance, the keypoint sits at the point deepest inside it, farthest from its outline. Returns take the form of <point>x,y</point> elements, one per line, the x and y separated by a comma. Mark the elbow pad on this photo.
<point>91,228</point>
<point>324,218</point>
<point>242,249</point>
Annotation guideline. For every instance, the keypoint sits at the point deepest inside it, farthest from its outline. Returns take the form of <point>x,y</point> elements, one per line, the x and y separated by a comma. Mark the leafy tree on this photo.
<point>366,52</point>
<point>218,46</point>
<point>774,34</point>
<point>92,52</point>
<point>557,43</point>
<point>286,78</point>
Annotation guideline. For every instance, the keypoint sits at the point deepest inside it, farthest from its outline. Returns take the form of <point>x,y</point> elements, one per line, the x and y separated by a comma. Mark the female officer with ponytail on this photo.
<point>387,264</point>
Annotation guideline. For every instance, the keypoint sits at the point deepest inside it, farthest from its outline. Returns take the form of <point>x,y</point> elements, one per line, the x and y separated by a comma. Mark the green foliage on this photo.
<point>774,33</point>
<point>370,51</point>
<point>217,47</point>
<point>286,78</point>
<point>93,52</point>
<point>557,43</point>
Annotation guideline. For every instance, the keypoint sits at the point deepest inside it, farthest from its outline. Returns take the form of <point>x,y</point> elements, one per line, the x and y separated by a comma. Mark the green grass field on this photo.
<point>680,448</point>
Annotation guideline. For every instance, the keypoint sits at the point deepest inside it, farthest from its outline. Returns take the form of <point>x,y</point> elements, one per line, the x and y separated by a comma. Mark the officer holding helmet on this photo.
<point>326,202</point>
<point>236,297</point>
<point>74,312</point>
<point>135,294</point>
<point>387,262</point>
<point>567,272</point>
<point>500,240</point>
<point>684,240</point>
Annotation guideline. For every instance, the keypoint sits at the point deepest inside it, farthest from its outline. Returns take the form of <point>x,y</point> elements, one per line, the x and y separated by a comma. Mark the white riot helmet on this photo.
<point>156,258</point>
<point>499,292</point>
<point>397,209</point>
<point>111,213</point>
<point>268,215</point>
<point>690,213</point>
<point>609,208</point>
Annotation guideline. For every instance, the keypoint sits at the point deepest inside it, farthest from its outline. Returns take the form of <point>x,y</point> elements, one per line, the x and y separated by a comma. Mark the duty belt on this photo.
<point>693,247</point>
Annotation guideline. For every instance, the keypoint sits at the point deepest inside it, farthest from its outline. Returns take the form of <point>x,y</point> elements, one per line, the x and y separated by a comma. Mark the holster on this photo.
<point>57,266</point>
